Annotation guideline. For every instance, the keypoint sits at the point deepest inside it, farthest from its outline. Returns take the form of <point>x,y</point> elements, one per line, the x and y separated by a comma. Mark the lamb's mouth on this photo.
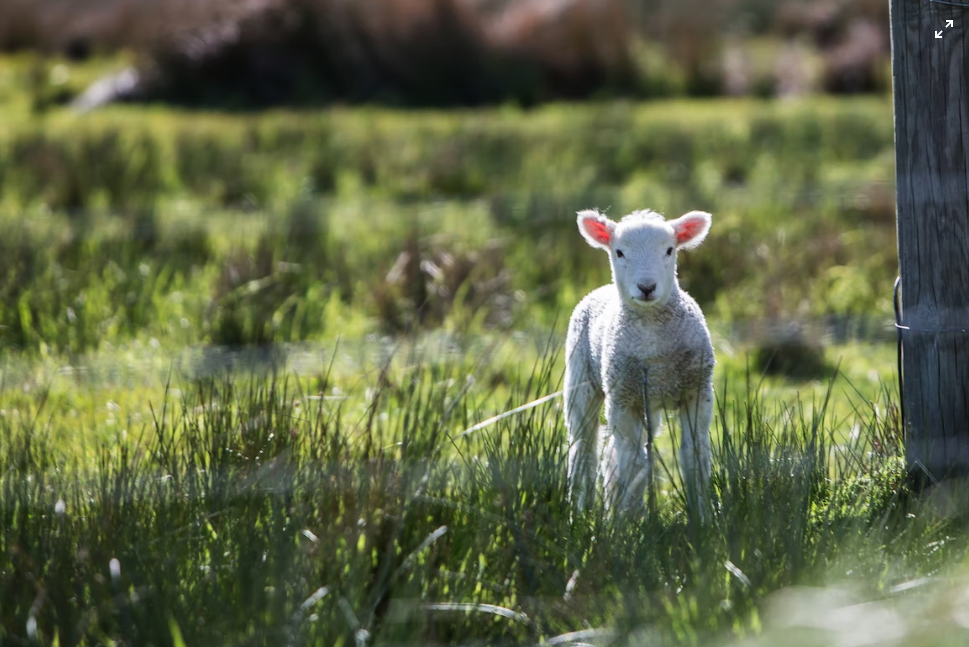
<point>644,302</point>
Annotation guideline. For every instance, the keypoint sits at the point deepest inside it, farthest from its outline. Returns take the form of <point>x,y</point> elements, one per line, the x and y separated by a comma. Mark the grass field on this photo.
<point>240,353</point>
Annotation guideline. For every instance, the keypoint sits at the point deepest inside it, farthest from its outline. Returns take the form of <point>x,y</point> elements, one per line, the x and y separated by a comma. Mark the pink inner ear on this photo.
<point>598,231</point>
<point>688,229</point>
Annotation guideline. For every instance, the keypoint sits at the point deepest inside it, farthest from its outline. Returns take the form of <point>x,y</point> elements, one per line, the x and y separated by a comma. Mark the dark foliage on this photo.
<point>453,52</point>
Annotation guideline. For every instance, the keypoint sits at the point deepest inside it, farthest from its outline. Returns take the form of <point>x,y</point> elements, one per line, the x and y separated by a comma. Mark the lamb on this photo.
<point>641,323</point>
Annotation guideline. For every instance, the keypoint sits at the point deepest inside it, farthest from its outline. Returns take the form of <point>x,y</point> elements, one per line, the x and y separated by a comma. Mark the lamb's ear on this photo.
<point>596,228</point>
<point>691,228</point>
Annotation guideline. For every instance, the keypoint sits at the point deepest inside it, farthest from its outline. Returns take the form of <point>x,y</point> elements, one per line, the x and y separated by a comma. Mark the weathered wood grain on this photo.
<point>931,78</point>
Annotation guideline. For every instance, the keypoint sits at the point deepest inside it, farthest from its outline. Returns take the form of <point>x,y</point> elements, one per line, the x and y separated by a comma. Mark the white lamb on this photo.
<point>641,321</point>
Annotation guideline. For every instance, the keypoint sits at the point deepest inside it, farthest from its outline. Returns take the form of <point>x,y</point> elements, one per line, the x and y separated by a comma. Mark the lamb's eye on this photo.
<point>619,253</point>
<point>669,251</point>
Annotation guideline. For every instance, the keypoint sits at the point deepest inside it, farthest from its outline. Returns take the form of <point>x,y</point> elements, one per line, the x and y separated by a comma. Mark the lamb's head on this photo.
<point>642,250</point>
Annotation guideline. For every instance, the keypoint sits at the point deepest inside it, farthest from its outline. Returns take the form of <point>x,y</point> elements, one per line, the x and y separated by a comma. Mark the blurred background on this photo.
<point>176,173</point>
<point>250,53</point>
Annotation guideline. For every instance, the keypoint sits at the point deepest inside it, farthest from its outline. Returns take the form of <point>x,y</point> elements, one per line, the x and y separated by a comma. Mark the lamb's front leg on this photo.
<point>583,403</point>
<point>624,466</point>
<point>696,414</point>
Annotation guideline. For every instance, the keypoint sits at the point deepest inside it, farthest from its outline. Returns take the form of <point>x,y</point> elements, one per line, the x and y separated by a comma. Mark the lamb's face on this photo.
<point>643,259</point>
<point>642,251</point>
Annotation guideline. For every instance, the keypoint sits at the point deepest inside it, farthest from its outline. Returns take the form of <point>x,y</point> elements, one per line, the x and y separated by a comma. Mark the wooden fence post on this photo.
<point>930,75</point>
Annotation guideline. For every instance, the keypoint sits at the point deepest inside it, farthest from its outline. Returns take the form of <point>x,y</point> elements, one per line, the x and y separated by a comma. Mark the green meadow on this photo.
<point>245,359</point>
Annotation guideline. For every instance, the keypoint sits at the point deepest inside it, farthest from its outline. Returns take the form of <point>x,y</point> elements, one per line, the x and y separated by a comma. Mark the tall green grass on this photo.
<point>265,509</point>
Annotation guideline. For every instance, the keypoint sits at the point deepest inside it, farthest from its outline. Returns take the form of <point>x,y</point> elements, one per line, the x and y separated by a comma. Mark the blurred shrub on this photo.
<point>429,287</point>
<point>406,52</point>
<point>248,293</point>
<point>278,290</point>
<point>461,52</point>
<point>790,353</point>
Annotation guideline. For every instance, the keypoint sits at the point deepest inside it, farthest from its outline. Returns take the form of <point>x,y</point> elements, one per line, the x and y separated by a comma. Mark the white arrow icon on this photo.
<point>938,34</point>
<point>948,23</point>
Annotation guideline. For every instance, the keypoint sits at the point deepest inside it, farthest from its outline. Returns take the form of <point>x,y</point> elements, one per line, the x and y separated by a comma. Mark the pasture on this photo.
<point>243,359</point>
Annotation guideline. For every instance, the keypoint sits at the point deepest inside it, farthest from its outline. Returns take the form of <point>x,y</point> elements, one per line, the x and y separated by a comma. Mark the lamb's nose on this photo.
<point>647,290</point>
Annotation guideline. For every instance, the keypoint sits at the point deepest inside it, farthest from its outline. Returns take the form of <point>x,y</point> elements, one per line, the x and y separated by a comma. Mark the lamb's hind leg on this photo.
<point>696,414</point>
<point>583,402</point>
